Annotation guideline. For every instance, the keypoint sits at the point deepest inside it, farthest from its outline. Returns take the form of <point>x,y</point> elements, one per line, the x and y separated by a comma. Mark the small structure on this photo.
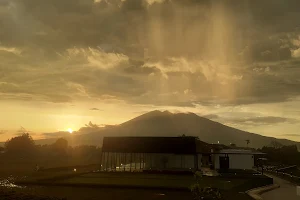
<point>152,153</point>
<point>234,159</point>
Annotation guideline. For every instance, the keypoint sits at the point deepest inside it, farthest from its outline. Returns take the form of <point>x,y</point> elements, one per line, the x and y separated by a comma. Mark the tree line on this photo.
<point>23,146</point>
<point>277,153</point>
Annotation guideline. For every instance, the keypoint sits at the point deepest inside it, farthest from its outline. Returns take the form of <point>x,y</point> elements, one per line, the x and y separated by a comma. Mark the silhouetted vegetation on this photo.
<point>2,149</point>
<point>232,145</point>
<point>206,193</point>
<point>60,146</point>
<point>21,155</point>
<point>13,195</point>
<point>21,145</point>
<point>280,154</point>
<point>247,142</point>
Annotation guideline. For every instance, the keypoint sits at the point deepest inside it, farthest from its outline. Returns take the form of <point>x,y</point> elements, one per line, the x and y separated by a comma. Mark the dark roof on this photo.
<point>177,145</point>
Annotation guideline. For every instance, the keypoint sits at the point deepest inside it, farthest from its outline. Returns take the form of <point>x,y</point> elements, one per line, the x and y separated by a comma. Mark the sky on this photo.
<point>64,63</point>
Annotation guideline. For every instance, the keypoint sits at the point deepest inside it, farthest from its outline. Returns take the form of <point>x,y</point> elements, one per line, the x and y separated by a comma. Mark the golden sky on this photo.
<point>64,63</point>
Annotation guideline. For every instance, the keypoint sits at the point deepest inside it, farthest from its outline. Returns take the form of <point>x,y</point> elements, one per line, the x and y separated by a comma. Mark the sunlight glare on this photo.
<point>70,130</point>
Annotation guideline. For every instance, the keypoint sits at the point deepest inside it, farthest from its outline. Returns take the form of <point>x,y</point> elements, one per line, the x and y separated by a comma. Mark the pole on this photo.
<point>106,163</point>
<point>151,160</point>
<point>135,161</point>
<point>130,161</point>
<point>116,155</point>
<point>181,161</point>
<point>101,161</point>
<point>144,158</point>
<point>111,161</point>
<point>124,161</point>
<point>140,161</point>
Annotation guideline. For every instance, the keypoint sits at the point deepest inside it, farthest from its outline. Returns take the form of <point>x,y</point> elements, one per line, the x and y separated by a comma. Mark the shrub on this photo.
<point>206,193</point>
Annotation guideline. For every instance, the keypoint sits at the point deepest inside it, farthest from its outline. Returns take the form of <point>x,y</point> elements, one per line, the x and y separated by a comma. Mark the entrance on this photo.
<point>224,162</point>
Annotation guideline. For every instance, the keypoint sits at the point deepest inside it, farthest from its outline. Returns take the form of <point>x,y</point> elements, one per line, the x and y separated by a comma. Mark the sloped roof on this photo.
<point>177,145</point>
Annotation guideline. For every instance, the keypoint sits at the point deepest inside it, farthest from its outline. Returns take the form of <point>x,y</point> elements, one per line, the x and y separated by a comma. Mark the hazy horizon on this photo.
<point>65,63</point>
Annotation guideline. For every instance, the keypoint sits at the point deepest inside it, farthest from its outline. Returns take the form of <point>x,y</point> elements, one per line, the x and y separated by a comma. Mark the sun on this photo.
<point>70,130</point>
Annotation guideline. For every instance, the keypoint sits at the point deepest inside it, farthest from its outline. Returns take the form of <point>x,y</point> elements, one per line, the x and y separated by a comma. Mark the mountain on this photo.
<point>158,123</point>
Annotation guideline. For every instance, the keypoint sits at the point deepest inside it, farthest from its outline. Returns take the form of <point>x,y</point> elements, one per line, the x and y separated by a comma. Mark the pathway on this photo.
<point>286,191</point>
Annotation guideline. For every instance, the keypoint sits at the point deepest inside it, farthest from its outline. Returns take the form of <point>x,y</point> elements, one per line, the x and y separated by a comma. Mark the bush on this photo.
<point>206,193</point>
<point>198,175</point>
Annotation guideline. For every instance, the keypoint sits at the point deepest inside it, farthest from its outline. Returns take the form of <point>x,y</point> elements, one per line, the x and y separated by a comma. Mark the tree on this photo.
<point>275,144</point>
<point>60,146</point>
<point>232,145</point>
<point>20,145</point>
<point>248,142</point>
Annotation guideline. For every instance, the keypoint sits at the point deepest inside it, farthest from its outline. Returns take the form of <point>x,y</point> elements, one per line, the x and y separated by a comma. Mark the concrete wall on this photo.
<point>236,161</point>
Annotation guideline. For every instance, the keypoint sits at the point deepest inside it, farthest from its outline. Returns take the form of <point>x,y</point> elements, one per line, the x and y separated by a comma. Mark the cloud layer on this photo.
<point>151,52</point>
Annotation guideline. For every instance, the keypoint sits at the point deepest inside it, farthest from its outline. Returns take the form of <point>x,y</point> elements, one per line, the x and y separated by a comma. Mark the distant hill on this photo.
<point>158,123</point>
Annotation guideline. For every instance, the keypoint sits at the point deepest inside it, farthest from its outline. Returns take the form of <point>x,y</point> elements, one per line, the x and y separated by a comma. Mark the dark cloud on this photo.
<point>165,53</point>
<point>95,109</point>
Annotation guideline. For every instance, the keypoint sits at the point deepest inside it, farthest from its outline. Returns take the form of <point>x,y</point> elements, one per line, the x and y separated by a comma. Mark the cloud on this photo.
<point>11,50</point>
<point>58,134</point>
<point>211,116</point>
<point>95,109</point>
<point>296,53</point>
<point>3,132</point>
<point>290,135</point>
<point>149,52</point>
<point>264,120</point>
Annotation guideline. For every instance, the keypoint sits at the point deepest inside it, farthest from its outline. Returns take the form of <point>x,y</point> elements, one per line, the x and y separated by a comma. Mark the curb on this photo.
<point>255,193</point>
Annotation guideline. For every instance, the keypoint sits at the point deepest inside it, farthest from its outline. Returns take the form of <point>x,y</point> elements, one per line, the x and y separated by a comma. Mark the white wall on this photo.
<point>236,161</point>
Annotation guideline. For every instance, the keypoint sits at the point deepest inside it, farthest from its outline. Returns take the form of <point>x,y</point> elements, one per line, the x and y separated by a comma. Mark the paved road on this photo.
<point>287,191</point>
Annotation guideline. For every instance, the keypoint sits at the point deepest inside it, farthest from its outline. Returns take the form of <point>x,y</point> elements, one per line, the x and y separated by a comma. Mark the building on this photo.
<point>152,153</point>
<point>234,159</point>
<point>171,154</point>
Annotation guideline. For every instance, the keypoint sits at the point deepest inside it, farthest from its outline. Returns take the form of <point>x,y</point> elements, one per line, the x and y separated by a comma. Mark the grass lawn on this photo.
<point>141,180</point>
<point>233,188</point>
<point>132,180</point>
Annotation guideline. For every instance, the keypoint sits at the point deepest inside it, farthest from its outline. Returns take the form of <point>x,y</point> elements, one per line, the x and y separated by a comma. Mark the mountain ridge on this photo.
<point>165,123</point>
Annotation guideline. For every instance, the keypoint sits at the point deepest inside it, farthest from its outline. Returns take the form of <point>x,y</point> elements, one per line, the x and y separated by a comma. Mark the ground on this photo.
<point>132,184</point>
<point>287,190</point>
<point>124,185</point>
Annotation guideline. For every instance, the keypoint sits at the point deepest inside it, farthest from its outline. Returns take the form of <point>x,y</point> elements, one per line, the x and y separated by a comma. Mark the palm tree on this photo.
<point>248,142</point>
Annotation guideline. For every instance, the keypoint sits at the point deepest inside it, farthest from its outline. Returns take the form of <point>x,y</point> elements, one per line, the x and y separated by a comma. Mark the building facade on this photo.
<point>234,159</point>
<point>150,153</point>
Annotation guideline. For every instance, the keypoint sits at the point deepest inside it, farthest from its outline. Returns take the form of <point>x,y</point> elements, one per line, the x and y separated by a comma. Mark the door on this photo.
<point>224,162</point>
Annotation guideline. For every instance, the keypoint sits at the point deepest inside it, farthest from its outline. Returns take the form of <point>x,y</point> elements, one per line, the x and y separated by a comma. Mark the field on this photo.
<point>145,181</point>
<point>132,184</point>
<point>86,183</point>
